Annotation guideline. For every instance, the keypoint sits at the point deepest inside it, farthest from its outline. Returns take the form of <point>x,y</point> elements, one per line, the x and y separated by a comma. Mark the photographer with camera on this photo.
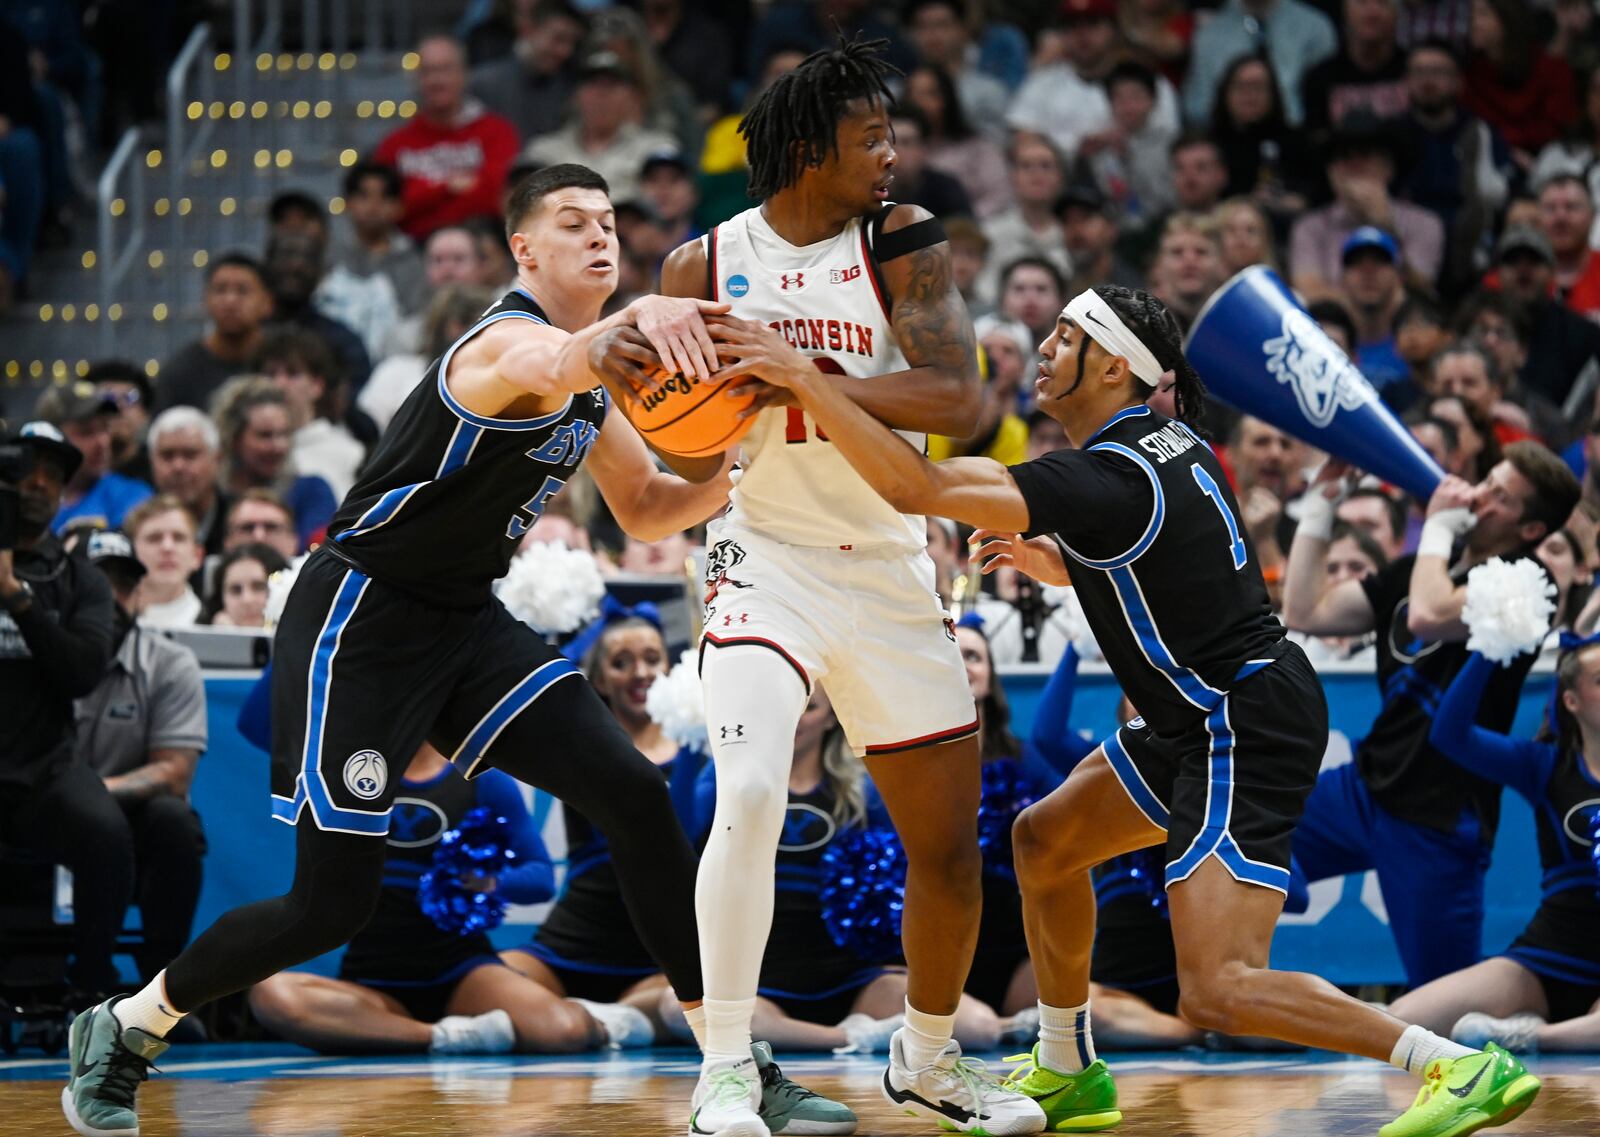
<point>56,620</point>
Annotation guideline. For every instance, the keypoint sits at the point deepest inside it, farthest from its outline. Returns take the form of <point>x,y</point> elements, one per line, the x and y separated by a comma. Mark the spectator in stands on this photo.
<point>1361,167</point>
<point>129,387</point>
<point>259,517</point>
<point>1067,101</point>
<point>1566,218</point>
<point>1563,345</point>
<point>605,130</point>
<point>1373,293</point>
<point>451,257</point>
<point>1246,233</point>
<point>184,461</point>
<point>1458,166</point>
<point>1420,330</point>
<point>1512,83</point>
<point>1400,808</point>
<point>1090,231</point>
<point>812,26</point>
<point>666,557</point>
<point>1379,515</point>
<point>954,147</point>
<point>943,42</point>
<point>1262,459</point>
<point>1030,227</point>
<point>95,492</point>
<point>1032,292</point>
<point>1469,371</point>
<point>695,46</point>
<point>372,243</point>
<point>238,304</point>
<point>666,103</point>
<point>1132,164</point>
<point>294,267</point>
<point>1352,555</point>
<point>969,253</point>
<point>531,86</point>
<point>304,370</point>
<point>1267,160</point>
<point>238,595</point>
<point>1477,447</point>
<point>915,181</point>
<point>1296,38</point>
<point>454,309</point>
<point>1045,435</point>
<point>252,416</point>
<point>1188,264</point>
<point>499,271</point>
<point>166,541</point>
<point>143,729</point>
<point>1334,319</point>
<point>1001,434</point>
<point>1367,74</point>
<point>56,618</point>
<point>1501,324</point>
<point>666,183</point>
<point>1442,442</point>
<point>1198,178</point>
<point>1575,152</point>
<point>454,155</point>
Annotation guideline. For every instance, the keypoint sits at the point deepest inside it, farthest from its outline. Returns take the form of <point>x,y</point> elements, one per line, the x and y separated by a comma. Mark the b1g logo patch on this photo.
<point>737,285</point>
<point>365,774</point>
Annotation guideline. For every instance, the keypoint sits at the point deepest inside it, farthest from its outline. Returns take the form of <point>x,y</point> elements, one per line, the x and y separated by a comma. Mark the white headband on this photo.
<point>1102,324</point>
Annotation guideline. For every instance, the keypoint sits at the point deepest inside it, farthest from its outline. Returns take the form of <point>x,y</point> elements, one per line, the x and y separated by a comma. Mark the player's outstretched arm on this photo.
<point>647,503</point>
<point>978,491</point>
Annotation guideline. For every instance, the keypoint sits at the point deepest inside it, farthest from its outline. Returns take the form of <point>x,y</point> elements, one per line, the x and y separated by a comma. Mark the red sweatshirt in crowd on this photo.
<point>430,154</point>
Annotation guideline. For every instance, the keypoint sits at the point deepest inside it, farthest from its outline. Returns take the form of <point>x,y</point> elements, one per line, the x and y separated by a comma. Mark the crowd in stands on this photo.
<point>1425,173</point>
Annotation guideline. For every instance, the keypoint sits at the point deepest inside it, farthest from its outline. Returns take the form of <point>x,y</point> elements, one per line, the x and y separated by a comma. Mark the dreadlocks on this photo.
<point>793,124</point>
<point>1154,324</point>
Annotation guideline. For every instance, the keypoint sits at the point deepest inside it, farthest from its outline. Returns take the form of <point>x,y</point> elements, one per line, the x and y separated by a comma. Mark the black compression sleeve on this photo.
<point>918,235</point>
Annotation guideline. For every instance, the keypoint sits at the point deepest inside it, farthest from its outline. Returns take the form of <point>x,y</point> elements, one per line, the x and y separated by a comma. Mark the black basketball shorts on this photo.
<point>1234,785</point>
<point>364,673</point>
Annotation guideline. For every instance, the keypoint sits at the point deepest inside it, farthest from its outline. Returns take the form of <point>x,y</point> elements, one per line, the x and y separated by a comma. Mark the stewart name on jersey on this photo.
<point>443,501</point>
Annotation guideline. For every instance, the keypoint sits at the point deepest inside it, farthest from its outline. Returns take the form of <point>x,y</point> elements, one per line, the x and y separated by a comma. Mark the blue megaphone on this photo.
<point>1258,349</point>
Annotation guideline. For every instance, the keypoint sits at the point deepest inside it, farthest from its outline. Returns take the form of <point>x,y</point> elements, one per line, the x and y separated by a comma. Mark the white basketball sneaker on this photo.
<point>958,1094</point>
<point>727,1101</point>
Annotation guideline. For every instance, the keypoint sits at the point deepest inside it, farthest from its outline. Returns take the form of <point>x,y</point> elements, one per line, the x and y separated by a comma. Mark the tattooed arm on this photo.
<point>169,771</point>
<point>940,393</point>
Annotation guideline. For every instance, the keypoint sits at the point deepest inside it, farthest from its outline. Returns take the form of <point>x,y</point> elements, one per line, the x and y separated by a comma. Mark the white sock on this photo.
<point>925,1036</point>
<point>1418,1047</point>
<point>696,1018</point>
<point>1065,1042</point>
<point>149,1010</point>
<point>727,1027</point>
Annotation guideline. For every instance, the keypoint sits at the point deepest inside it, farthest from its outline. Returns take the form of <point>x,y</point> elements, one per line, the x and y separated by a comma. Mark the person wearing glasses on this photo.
<point>260,516</point>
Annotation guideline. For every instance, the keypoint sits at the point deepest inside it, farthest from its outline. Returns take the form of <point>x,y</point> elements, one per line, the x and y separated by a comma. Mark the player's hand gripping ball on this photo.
<point>689,417</point>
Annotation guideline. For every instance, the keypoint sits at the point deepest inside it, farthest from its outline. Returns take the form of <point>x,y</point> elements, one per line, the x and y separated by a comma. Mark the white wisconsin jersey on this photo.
<point>792,485</point>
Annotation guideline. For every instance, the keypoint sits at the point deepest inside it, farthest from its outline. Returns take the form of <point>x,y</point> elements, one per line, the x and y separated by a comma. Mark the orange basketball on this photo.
<point>688,417</point>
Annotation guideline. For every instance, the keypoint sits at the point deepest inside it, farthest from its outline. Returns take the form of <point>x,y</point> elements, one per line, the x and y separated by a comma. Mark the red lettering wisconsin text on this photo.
<point>826,335</point>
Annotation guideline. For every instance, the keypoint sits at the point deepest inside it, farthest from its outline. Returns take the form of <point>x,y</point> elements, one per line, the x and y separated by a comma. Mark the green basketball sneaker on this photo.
<point>1464,1095</point>
<point>788,1107</point>
<point>1073,1103</point>
<point>108,1063</point>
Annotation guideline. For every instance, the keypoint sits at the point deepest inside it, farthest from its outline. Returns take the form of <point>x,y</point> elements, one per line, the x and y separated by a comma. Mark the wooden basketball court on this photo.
<point>245,1091</point>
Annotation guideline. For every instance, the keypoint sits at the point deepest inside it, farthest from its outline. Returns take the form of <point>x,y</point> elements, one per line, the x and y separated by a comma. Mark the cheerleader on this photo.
<point>1543,992</point>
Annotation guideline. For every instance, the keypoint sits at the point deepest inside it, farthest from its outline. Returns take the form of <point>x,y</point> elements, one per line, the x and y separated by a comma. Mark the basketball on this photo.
<point>688,417</point>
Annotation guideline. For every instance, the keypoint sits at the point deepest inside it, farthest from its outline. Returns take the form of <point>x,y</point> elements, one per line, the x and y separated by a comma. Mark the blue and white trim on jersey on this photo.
<point>1153,808</point>
<point>486,421</point>
<point>481,737</point>
<point>1152,529</point>
<point>1130,596</point>
<point>457,452</point>
<point>1140,411</point>
<point>310,788</point>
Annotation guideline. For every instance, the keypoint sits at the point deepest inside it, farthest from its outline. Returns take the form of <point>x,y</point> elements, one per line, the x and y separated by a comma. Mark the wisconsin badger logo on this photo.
<point>721,557</point>
<point>1324,382</point>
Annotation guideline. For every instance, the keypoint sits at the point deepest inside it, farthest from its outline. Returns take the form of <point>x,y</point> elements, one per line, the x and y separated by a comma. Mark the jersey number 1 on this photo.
<point>533,507</point>
<point>1209,487</point>
<point>795,429</point>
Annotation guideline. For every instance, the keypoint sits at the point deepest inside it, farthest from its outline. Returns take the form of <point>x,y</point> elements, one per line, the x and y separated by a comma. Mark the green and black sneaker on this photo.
<point>108,1063</point>
<point>1073,1103</point>
<point>788,1107</point>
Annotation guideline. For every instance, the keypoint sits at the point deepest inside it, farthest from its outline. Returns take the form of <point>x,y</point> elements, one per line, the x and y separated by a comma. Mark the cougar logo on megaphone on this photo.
<point>1324,382</point>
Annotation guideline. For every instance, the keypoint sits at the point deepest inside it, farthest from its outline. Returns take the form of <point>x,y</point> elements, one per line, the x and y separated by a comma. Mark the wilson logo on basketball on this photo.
<point>792,281</point>
<point>676,385</point>
<point>843,275</point>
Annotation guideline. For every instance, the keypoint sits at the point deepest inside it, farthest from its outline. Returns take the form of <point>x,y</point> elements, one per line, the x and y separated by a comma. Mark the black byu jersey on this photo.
<point>1164,571</point>
<point>447,495</point>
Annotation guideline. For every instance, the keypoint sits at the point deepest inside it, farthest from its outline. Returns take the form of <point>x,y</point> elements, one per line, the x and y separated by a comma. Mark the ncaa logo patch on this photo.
<point>737,285</point>
<point>365,774</point>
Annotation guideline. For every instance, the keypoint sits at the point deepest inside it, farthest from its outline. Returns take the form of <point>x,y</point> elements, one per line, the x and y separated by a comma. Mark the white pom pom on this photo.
<point>677,704</point>
<point>553,588</point>
<point>1509,608</point>
<point>279,585</point>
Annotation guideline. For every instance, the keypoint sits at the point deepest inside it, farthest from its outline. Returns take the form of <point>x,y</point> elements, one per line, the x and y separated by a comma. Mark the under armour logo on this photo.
<point>734,731</point>
<point>733,618</point>
<point>792,281</point>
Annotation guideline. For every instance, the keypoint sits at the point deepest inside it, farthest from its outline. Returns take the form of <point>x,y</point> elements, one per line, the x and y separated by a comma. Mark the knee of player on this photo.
<point>273,1001</point>
<point>1037,846</point>
<point>752,795</point>
<point>1217,1000</point>
<point>566,1028</point>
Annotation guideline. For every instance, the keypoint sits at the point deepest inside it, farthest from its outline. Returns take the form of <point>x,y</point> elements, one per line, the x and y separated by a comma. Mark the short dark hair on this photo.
<point>1564,178</point>
<point>1335,313</point>
<point>121,371</point>
<point>794,123</point>
<point>1191,138</point>
<point>237,260</point>
<point>1370,549</point>
<point>361,171</point>
<point>1555,487</point>
<point>1130,71</point>
<point>266,556</point>
<point>1038,263</point>
<point>1452,436</point>
<point>527,194</point>
<point>1392,507</point>
<point>294,201</point>
<point>1436,44</point>
<point>909,10</point>
<point>307,351</point>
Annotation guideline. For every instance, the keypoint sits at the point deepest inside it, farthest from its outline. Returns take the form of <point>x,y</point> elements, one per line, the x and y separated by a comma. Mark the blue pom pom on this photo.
<point>1005,794</point>
<point>1594,843</point>
<point>864,892</point>
<point>478,846</point>
<point>1149,868</point>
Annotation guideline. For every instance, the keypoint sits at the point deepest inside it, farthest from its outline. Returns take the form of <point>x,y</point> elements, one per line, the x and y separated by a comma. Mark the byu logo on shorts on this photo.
<point>365,774</point>
<point>1323,384</point>
<point>738,285</point>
